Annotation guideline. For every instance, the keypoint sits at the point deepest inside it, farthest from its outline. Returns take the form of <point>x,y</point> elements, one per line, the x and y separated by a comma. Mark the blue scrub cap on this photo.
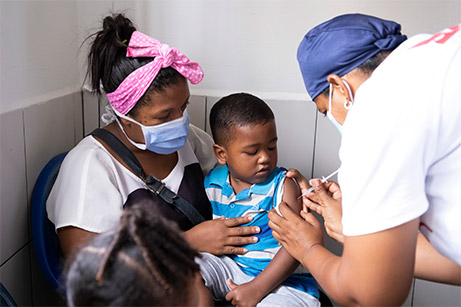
<point>341,44</point>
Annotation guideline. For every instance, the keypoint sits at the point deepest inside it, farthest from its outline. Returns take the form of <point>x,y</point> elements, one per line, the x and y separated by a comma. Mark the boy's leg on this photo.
<point>287,296</point>
<point>215,272</point>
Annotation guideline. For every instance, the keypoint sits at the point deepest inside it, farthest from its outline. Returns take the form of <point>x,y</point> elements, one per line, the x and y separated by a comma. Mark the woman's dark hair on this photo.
<point>108,65</point>
<point>366,67</point>
<point>146,261</point>
<point>240,109</point>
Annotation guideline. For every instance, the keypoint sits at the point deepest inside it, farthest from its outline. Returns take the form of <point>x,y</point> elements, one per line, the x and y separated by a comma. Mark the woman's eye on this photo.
<point>272,148</point>
<point>252,153</point>
<point>163,118</point>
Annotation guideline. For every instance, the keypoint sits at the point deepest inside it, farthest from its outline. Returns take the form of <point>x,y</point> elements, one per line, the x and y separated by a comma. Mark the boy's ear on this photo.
<point>220,153</point>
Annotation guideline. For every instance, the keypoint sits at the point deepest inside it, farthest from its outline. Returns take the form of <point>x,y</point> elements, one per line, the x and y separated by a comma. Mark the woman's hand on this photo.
<point>325,200</point>
<point>298,234</point>
<point>222,236</point>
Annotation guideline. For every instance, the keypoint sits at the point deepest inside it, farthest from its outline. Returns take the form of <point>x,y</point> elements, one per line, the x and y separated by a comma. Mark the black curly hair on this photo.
<point>146,261</point>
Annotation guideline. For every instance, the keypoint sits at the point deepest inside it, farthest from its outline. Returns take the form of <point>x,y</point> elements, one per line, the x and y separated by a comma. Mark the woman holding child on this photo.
<point>146,85</point>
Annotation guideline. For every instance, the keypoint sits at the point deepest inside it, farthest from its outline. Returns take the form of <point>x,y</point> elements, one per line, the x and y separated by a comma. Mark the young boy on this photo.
<point>249,183</point>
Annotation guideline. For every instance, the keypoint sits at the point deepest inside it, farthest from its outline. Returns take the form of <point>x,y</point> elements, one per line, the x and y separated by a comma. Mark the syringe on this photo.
<point>324,179</point>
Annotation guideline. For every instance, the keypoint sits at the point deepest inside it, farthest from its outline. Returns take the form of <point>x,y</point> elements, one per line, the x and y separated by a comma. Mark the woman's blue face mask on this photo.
<point>163,139</point>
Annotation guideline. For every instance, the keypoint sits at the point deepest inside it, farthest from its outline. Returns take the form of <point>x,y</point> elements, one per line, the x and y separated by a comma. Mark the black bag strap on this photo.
<point>159,188</point>
<point>155,185</point>
<point>121,150</point>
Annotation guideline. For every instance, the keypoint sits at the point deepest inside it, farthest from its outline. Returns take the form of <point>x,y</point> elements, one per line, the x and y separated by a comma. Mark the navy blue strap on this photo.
<point>121,150</point>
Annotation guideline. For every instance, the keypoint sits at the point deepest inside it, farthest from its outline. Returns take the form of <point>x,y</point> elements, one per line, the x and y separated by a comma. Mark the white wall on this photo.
<point>251,45</point>
<point>242,45</point>
<point>38,52</point>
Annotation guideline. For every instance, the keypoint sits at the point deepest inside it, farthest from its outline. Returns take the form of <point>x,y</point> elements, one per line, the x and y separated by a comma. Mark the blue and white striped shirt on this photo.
<point>255,201</point>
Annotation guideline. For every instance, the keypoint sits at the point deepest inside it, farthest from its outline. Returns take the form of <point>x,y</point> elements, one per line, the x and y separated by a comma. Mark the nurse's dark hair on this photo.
<point>237,110</point>
<point>108,65</point>
<point>366,67</point>
<point>145,262</point>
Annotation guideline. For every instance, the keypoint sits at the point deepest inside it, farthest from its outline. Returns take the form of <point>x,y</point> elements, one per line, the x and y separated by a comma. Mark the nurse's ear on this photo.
<point>339,89</point>
<point>220,153</point>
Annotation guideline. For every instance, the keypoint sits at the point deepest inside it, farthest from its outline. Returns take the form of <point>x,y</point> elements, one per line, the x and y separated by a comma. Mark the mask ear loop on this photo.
<point>330,95</point>
<point>347,103</point>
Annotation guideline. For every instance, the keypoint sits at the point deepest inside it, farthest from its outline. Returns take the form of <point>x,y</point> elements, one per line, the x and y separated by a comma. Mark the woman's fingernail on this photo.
<point>255,239</point>
<point>257,229</point>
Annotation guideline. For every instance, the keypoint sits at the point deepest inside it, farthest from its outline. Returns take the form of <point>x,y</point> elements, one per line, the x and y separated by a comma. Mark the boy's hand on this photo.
<point>242,295</point>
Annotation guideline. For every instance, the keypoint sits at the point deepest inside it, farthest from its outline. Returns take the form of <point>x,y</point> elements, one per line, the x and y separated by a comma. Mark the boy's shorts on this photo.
<point>217,269</point>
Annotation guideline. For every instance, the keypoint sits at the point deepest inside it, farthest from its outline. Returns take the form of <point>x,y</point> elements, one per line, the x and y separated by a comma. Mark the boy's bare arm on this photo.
<point>280,267</point>
<point>283,264</point>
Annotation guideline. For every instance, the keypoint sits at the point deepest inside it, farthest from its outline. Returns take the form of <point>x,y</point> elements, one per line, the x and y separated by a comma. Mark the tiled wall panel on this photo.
<point>295,122</point>
<point>49,130</point>
<point>91,112</point>
<point>15,276</point>
<point>436,294</point>
<point>197,111</point>
<point>14,229</point>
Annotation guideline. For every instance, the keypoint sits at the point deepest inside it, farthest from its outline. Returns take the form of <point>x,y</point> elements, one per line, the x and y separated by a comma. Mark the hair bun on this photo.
<point>119,27</point>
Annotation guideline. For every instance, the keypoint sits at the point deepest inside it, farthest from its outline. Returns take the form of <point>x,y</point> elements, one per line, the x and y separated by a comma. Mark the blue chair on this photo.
<point>46,242</point>
<point>5,297</point>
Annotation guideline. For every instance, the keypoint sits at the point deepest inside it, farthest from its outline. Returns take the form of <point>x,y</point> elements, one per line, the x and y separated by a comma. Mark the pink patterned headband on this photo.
<point>124,98</point>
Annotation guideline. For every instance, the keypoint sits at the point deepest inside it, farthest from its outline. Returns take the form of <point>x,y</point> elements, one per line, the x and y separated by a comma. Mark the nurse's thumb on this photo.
<point>320,190</point>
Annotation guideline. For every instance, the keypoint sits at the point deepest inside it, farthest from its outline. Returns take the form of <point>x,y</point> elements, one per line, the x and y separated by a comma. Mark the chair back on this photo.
<point>5,297</point>
<point>46,242</point>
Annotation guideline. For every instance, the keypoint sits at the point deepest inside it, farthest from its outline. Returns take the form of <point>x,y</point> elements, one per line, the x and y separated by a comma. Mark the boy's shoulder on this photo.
<point>279,172</point>
<point>217,176</point>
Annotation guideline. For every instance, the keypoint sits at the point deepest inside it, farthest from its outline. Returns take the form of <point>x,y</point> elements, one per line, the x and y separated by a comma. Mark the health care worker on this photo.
<point>400,159</point>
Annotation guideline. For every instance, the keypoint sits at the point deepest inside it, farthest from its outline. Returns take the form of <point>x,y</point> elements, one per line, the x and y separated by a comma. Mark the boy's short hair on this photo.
<point>237,110</point>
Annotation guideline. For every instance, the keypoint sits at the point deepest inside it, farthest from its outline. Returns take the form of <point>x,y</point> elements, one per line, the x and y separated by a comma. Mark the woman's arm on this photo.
<point>72,239</point>
<point>371,268</point>
<point>431,265</point>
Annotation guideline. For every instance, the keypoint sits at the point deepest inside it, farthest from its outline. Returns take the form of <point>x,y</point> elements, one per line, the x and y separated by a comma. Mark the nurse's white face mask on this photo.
<point>347,106</point>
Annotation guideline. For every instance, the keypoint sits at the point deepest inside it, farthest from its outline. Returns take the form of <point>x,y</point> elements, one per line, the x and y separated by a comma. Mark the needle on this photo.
<point>324,179</point>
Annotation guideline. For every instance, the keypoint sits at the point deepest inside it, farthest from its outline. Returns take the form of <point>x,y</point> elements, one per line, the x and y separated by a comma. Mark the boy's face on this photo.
<point>251,155</point>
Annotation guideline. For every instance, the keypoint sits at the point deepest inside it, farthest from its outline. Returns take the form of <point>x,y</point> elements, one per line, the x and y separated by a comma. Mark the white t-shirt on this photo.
<point>92,185</point>
<point>401,144</point>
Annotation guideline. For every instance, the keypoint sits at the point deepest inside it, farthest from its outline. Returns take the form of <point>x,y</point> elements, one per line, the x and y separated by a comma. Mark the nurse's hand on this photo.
<point>222,236</point>
<point>297,233</point>
<point>325,200</point>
